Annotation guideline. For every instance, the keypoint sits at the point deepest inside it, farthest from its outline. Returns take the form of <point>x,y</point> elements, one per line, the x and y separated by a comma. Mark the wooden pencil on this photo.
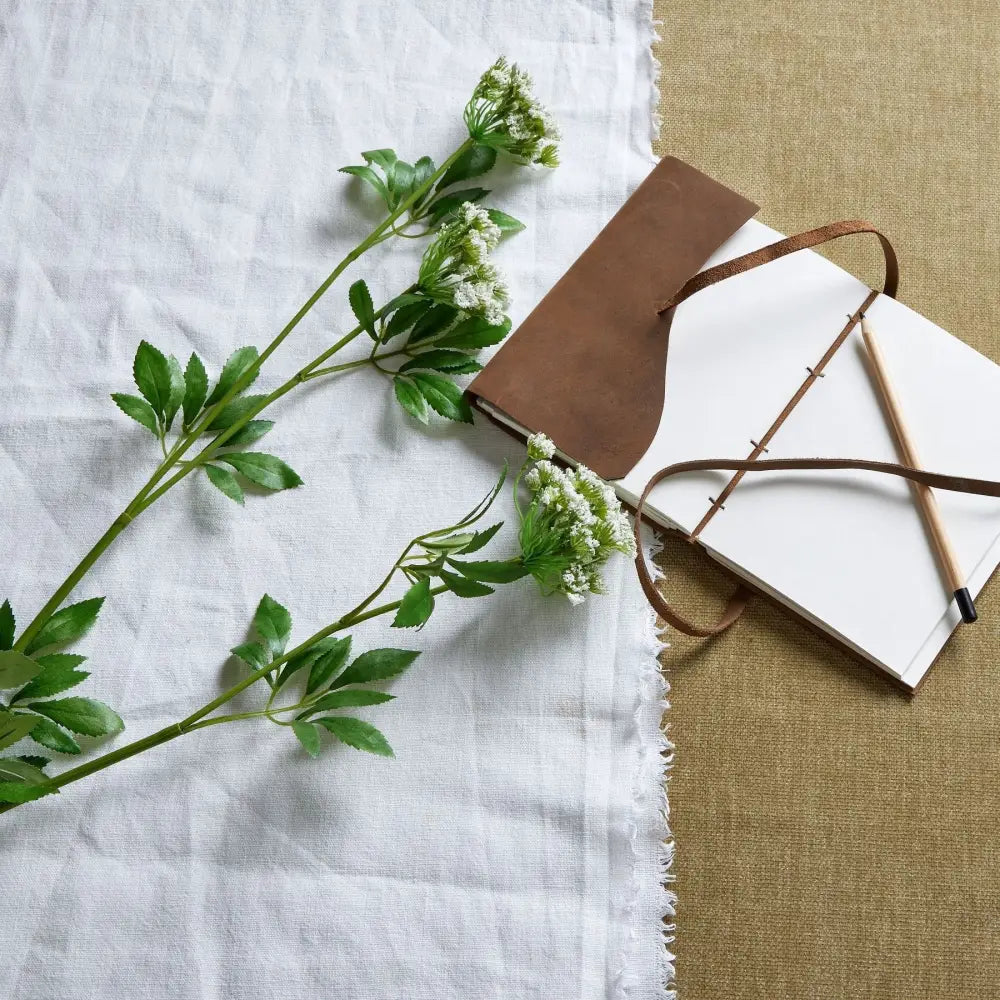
<point>925,495</point>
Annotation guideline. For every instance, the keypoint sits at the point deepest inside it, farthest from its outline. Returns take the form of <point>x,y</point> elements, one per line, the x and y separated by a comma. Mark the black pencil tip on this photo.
<point>965,605</point>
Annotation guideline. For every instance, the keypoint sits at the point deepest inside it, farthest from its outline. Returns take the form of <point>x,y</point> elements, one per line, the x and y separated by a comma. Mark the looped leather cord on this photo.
<point>738,265</point>
<point>936,480</point>
<point>790,244</point>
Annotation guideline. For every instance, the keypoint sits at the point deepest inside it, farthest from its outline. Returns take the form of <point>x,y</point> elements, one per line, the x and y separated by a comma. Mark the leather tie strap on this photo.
<point>734,608</point>
<point>790,244</point>
<point>936,480</point>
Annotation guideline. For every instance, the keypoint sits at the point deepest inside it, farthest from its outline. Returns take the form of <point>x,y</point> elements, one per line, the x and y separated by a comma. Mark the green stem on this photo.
<point>149,492</point>
<point>197,720</point>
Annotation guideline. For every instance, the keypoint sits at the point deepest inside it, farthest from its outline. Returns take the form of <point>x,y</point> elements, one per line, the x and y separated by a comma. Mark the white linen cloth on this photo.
<point>168,171</point>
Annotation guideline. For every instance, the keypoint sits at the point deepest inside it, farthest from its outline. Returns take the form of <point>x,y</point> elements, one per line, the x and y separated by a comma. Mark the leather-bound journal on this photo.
<point>765,365</point>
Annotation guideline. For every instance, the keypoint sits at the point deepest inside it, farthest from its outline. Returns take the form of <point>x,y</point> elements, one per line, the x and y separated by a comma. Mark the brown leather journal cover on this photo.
<point>587,366</point>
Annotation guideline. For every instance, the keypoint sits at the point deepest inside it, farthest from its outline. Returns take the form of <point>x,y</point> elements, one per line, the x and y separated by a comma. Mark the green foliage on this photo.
<point>443,396</point>
<point>434,321</point>
<point>14,727</point>
<point>474,162</point>
<point>308,736</point>
<point>410,398</point>
<point>474,333</point>
<point>442,207</point>
<point>234,369</point>
<point>17,770</point>
<point>151,372</point>
<point>7,625</point>
<point>328,664</point>
<point>57,673</point>
<point>138,409</point>
<point>504,222</point>
<point>251,432</point>
<point>22,779</point>
<point>349,698</point>
<point>235,409</point>
<point>264,470</point>
<point>452,362</point>
<point>461,586</point>
<point>67,625</point>
<point>273,624</point>
<point>361,302</point>
<point>80,715</point>
<point>195,389</point>
<point>253,654</point>
<point>404,317</point>
<point>224,481</point>
<point>376,665</point>
<point>177,390</point>
<point>490,571</point>
<point>357,734</point>
<point>47,734</point>
<point>16,669</point>
<point>416,607</point>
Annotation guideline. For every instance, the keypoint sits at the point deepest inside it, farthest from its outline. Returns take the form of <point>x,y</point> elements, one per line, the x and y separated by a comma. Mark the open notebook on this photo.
<point>845,550</point>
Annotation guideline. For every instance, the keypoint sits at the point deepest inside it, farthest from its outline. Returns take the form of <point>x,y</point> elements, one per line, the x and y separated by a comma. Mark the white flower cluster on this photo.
<point>582,517</point>
<point>504,113</point>
<point>456,267</point>
<point>540,446</point>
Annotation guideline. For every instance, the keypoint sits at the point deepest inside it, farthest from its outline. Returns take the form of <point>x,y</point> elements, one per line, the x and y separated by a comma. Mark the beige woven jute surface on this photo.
<point>835,838</point>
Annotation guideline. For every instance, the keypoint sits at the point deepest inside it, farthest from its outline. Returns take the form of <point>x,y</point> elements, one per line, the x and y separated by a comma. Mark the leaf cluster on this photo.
<point>34,676</point>
<point>395,181</point>
<point>327,678</point>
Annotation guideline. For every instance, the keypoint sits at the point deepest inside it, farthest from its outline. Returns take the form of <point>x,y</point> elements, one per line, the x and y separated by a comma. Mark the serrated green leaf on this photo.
<point>491,571</point>
<point>224,481</point>
<point>410,398</point>
<point>16,669</point>
<point>376,665</point>
<point>357,734</point>
<point>362,305</point>
<point>67,625</point>
<point>249,433</point>
<point>308,736</point>
<point>433,322</point>
<point>473,162</point>
<point>58,673</point>
<point>453,362</point>
<point>80,715</point>
<point>253,654</point>
<point>307,657</point>
<point>383,158</point>
<point>461,586</point>
<point>235,409</point>
<point>350,698</point>
<point>482,538</point>
<point>195,389</point>
<point>152,375</point>
<point>14,769</point>
<point>443,396</point>
<point>14,727</point>
<point>422,171</point>
<point>474,333</point>
<point>264,470</point>
<point>47,734</point>
<point>449,543</point>
<point>328,664</point>
<point>138,409</point>
<point>18,792</point>
<point>416,607</point>
<point>404,317</point>
<point>177,390</point>
<point>7,625</point>
<point>234,369</point>
<point>34,761</point>
<point>399,178</point>
<point>273,624</point>
<point>369,177</point>
<point>504,222</point>
<point>445,204</point>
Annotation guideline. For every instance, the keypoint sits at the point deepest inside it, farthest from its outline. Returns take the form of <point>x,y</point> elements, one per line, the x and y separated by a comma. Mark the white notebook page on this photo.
<point>848,550</point>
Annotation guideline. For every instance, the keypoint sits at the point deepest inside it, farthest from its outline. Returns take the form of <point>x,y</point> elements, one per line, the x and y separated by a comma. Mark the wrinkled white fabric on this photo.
<point>168,171</point>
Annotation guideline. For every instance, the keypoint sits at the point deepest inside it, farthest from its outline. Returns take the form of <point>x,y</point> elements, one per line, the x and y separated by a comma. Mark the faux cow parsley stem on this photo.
<point>454,309</point>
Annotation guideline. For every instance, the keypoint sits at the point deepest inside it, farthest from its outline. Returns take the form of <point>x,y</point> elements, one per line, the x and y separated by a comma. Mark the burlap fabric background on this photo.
<point>835,838</point>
